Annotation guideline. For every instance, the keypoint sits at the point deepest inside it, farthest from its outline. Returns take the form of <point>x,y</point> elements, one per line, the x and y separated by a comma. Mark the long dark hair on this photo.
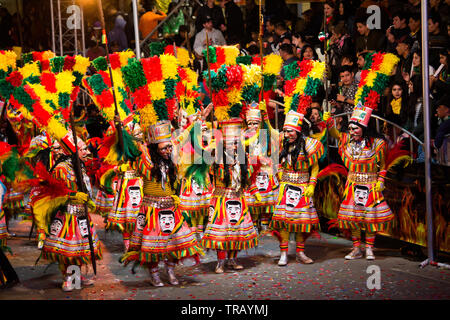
<point>156,160</point>
<point>404,108</point>
<point>314,127</point>
<point>368,133</point>
<point>221,158</point>
<point>299,143</point>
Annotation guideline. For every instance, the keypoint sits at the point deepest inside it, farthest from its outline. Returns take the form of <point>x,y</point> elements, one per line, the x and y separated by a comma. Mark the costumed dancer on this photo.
<point>299,166</point>
<point>8,276</point>
<point>363,154</point>
<point>230,227</point>
<point>99,86</point>
<point>63,233</point>
<point>267,183</point>
<point>258,85</point>
<point>59,210</point>
<point>161,233</point>
<point>196,189</point>
<point>129,193</point>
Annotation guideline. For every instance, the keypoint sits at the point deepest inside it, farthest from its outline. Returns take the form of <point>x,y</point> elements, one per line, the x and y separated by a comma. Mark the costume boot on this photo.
<point>155,279</point>
<point>354,254</point>
<point>171,272</point>
<point>283,258</point>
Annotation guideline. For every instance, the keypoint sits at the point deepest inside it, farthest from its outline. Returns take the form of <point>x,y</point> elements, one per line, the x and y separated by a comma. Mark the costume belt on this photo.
<point>362,177</point>
<point>158,202</point>
<point>295,176</point>
<point>130,175</point>
<point>227,192</point>
<point>76,210</point>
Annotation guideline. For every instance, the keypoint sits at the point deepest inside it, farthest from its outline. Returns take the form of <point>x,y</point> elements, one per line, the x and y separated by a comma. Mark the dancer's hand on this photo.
<point>79,198</point>
<point>326,116</point>
<point>309,192</point>
<point>124,167</point>
<point>41,239</point>
<point>258,196</point>
<point>91,205</point>
<point>379,186</point>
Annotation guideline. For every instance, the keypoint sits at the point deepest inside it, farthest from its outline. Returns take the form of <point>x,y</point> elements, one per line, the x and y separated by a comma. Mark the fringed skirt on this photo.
<point>363,207</point>
<point>294,212</point>
<point>194,202</point>
<point>3,231</point>
<point>161,232</point>
<point>14,200</point>
<point>261,211</point>
<point>68,241</point>
<point>230,226</point>
<point>103,202</point>
<point>126,206</point>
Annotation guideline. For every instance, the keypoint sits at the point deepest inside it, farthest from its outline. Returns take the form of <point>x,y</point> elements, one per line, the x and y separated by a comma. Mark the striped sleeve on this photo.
<point>380,155</point>
<point>315,150</point>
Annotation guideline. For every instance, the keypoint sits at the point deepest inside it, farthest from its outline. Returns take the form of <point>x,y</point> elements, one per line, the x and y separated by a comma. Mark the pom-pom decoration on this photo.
<point>220,55</point>
<point>303,80</point>
<point>99,86</point>
<point>374,78</point>
<point>227,85</point>
<point>7,63</point>
<point>152,83</point>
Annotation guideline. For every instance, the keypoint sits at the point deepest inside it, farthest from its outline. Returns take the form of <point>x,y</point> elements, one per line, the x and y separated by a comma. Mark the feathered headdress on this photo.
<point>42,57</point>
<point>7,63</point>
<point>100,88</point>
<point>374,79</point>
<point>303,80</point>
<point>180,53</point>
<point>46,98</point>
<point>220,55</point>
<point>152,82</point>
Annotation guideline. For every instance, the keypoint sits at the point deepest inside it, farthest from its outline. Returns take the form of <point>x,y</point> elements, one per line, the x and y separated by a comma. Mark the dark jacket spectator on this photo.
<point>118,33</point>
<point>368,40</point>
<point>443,113</point>
<point>340,45</point>
<point>437,38</point>
<point>210,10</point>
<point>233,19</point>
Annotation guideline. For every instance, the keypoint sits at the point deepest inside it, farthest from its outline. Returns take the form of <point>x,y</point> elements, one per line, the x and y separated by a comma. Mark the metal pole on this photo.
<point>136,30</point>
<point>19,24</point>
<point>426,120</point>
<point>75,34</point>
<point>60,29</point>
<point>53,26</point>
<point>83,43</point>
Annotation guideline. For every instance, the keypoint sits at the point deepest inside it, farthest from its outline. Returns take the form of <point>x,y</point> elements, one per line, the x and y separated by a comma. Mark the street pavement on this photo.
<point>331,277</point>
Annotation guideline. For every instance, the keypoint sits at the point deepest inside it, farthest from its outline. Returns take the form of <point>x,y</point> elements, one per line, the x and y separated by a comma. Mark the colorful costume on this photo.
<point>230,227</point>
<point>161,232</point>
<point>67,242</point>
<point>299,160</point>
<point>364,207</point>
<point>261,210</point>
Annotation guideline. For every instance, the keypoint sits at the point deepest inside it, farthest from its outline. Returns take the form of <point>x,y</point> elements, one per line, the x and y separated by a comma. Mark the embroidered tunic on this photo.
<point>295,212</point>
<point>230,226</point>
<point>160,230</point>
<point>68,241</point>
<point>363,206</point>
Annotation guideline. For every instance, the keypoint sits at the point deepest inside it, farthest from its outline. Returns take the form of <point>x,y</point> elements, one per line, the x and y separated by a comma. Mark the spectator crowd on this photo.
<point>341,31</point>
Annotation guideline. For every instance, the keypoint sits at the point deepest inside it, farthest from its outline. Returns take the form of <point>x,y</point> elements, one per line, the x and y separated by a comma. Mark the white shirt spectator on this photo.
<point>215,38</point>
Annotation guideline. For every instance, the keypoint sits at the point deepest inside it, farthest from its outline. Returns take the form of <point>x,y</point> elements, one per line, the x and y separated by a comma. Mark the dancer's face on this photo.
<point>165,149</point>
<point>290,134</point>
<point>355,132</point>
